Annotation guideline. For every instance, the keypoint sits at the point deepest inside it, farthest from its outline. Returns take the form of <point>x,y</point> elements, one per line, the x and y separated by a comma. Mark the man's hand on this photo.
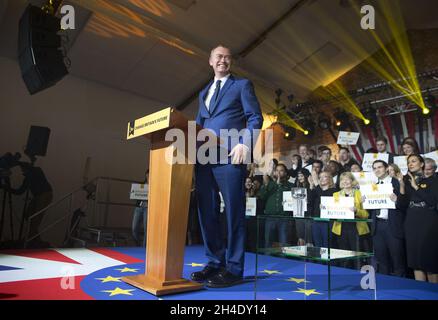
<point>239,154</point>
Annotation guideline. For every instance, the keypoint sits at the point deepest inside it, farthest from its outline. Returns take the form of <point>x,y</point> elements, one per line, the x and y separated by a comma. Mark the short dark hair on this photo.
<point>382,162</point>
<point>321,149</point>
<point>282,165</point>
<point>419,157</point>
<point>319,162</point>
<point>382,138</point>
<point>344,148</point>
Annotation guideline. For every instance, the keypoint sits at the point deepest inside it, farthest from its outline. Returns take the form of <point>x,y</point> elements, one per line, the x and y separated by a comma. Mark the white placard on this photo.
<point>433,155</point>
<point>348,138</point>
<point>342,208</point>
<point>251,206</point>
<point>377,196</point>
<point>365,178</point>
<point>369,158</point>
<point>288,201</point>
<point>402,163</point>
<point>138,191</point>
<point>293,204</point>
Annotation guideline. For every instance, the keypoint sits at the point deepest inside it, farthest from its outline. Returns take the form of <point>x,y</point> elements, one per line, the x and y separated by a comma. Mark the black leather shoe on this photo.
<point>204,274</point>
<point>223,279</point>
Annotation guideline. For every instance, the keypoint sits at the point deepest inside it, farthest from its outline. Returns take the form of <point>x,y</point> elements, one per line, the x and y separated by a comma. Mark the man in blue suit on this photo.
<point>226,103</point>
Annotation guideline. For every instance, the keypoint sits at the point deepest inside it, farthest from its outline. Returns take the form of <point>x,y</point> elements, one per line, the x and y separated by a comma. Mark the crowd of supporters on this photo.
<point>404,240</point>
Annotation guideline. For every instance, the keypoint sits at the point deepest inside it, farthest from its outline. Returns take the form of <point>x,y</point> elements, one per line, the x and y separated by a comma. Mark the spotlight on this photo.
<point>366,121</point>
<point>306,133</point>
<point>426,111</point>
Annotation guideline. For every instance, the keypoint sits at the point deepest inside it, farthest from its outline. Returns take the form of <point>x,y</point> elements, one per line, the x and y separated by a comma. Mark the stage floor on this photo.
<point>89,274</point>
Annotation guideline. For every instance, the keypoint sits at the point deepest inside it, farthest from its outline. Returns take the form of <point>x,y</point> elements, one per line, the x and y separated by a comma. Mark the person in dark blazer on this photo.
<point>387,229</point>
<point>419,195</point>
<point>227,102</point>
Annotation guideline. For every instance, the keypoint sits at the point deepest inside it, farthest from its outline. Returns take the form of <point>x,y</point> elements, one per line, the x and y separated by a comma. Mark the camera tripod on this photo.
<point>6,200</point>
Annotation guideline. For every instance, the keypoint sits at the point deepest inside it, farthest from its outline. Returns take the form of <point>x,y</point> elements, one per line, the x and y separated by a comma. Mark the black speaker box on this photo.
<point>41,61</point>
<point>37,141</point>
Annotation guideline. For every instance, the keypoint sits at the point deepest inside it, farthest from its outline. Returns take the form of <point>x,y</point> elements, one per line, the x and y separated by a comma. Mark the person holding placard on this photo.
<point>326,188</point>
<point>349,233</point>
<point>139,218</point>
<point>272,194</point>
<point>381,146</point>
<point>387,228</point>
<point>419,195</point>
<point>304,226</point>
<point>345,159</point>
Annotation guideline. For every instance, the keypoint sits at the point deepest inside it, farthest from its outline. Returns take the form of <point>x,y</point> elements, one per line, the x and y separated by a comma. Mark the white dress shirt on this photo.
<point>213,87</point>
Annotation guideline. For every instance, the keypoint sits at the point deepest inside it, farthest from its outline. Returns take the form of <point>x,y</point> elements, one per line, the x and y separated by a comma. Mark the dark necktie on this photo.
<point>215,95</point>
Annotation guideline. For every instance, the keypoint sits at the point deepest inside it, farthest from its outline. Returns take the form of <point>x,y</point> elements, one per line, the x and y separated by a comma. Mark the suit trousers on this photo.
<point>388,250</point>
<point>229,179</point>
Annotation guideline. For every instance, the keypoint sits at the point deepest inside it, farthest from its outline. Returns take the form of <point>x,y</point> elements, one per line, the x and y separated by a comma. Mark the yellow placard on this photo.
<point>150,123</point>
<point>375,187</point>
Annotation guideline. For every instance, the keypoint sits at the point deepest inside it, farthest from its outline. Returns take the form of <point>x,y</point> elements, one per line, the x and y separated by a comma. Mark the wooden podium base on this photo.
<point>143,282</point>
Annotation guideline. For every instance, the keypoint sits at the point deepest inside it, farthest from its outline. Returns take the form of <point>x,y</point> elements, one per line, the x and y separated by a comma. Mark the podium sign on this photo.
<point>151,123</point>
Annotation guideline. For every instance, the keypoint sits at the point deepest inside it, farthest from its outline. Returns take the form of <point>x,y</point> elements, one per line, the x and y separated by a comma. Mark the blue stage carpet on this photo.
<point>278,279</point>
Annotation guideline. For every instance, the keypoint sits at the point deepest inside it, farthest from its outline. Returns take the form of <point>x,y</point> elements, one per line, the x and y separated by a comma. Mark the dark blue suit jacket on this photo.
<point>396,217</point>
<point>236,108</point>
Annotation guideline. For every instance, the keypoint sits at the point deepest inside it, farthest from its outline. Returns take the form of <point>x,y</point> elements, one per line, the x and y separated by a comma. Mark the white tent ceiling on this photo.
<point>159,49</point>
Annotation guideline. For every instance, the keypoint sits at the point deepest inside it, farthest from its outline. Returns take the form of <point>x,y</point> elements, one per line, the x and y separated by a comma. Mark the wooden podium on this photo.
<point>169,197</point>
